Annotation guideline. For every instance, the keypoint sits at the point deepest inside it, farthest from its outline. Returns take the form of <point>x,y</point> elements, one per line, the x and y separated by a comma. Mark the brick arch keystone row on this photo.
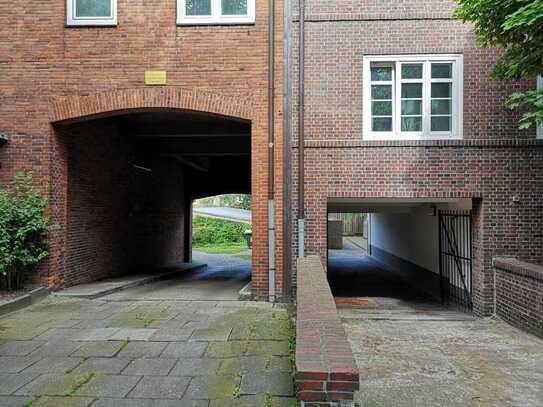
<point>74,107</point>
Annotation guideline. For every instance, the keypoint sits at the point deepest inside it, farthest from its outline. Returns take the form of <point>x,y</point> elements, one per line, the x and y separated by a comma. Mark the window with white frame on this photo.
<point>91,12</point>
<point>413,97</point>
<point>215,11</point>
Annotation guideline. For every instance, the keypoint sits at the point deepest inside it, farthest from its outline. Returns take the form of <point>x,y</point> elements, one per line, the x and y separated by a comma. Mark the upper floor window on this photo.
<point>91,12</point>
<point>413,97</point>
<point>215,11</point>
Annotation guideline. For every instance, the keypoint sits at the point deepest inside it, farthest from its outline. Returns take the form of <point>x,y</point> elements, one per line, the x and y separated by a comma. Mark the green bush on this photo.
<point>208,231</point>
<point>23,229</point>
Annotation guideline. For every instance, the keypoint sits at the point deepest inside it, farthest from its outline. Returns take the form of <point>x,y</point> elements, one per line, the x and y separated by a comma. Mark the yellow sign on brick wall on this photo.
<point>155,77</point>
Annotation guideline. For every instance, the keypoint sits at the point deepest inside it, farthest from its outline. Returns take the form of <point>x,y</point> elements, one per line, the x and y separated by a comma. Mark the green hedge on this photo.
<point>208,231</point>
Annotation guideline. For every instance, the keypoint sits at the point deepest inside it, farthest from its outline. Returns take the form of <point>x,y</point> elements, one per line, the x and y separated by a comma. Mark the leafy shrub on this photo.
<point>206,231</point>
<point>23,229</point>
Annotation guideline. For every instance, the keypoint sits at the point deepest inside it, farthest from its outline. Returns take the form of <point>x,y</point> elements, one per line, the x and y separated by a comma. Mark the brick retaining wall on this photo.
<point>326,369</point>
<point>519,293</point>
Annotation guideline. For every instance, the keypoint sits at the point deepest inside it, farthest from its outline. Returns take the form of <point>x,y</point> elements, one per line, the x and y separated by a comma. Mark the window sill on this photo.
<point>91,23</point>
<point>409,137</point>
<point>218,23</point>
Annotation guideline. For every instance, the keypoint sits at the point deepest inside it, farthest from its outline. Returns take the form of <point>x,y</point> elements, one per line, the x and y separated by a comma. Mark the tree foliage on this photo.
<point>23,229</point>
<point>517,27</point>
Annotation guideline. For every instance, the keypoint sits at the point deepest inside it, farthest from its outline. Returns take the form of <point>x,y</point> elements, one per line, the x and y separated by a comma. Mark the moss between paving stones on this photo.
<point>141,317</point>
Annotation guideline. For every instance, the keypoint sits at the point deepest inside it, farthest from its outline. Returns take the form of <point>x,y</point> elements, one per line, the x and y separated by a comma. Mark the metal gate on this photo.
<point>455,264</point>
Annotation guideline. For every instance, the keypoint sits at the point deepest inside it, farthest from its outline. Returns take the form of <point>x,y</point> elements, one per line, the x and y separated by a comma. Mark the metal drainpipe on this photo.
<point>271,154</point>
<point>301,135</point>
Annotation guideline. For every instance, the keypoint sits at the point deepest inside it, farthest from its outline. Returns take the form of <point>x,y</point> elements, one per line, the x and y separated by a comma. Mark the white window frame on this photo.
<point>73,20</point>
<point>216,17</point>
<point>539,131</point>
<point>456,132</point>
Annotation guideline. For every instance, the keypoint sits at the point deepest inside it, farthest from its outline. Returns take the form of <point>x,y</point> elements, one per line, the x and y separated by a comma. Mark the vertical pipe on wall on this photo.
<point>271,154</point>
<point>301,135</point>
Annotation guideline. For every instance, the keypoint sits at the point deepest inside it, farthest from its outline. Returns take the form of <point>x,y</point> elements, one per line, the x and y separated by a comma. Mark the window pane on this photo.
<point>381,92</point>
<point>234,7</point>
<point>412,90</point>
<point>411,123</point>
<point>440,71</point>
<point>412,71</point>
<point>381,73</point>
<point>93,8</point>
<point>198,7</point>
<point>442,123</point>
<point>441,90</point>
<point>381,108</point>
<point>411,107</point>
<point>441,107</point>
<point>382,124</point>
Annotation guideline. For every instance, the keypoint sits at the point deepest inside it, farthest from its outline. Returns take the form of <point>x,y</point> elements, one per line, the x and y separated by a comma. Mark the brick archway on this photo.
<point>81,108</point>
<point>123,100</point>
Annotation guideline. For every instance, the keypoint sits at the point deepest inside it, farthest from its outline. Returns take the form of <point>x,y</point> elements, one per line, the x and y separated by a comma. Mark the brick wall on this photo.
<point>326,371</point>
<point>519,293</point>
<point>44,64</point>
<point>496,165</point>
<point>119,218</point>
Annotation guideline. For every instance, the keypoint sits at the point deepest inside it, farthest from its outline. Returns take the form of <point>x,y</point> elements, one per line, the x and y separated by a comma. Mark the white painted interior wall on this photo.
<point>411,236</point>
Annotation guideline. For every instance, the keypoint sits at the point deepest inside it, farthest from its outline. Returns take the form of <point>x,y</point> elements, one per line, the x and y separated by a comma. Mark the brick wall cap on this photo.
<point>519,267</point>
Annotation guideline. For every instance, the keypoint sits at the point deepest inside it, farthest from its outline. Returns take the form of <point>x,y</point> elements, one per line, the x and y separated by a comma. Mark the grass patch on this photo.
<point>222,248</point>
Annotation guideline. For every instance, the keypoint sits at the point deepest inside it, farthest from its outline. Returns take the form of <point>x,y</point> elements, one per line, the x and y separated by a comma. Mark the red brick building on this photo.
<point>400,112</point>
<point>129,110</point>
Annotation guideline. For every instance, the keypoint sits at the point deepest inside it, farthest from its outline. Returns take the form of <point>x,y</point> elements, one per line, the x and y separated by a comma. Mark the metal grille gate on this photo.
<point>455,263</point>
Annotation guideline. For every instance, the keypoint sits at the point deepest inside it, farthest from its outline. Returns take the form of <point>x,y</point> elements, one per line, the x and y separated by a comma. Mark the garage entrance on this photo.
<point>414,250</point>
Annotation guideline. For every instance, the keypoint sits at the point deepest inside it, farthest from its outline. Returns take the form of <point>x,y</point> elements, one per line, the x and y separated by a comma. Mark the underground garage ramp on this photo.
<point>411,250</point>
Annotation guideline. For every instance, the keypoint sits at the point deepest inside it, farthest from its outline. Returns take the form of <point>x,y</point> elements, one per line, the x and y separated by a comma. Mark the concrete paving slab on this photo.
<point>116,402</point>
<point>276,384</point>
<point>15,364</point>
<point>57,348</point>
<point>184,349</point>
<point>112,366</point>
<point>195,367</point>
<point>96,334</point>
<point>132,334</point>
<point>182,402</point>
<point>213,387</point>
<point>211,334</point>
<point>48,401</point>
<point>10,383</point>
<point>243,365</point>
<point>150,367</point>
<point>19,348</point>
<point>136,350</point>
<point>160,388</point>
<point>171,334</point>
<point>54,365</point>
<point>104,349</point>
<point>59,334</point>
<point>14,401</point>
<point>51,384</point>
<point>109,386</point>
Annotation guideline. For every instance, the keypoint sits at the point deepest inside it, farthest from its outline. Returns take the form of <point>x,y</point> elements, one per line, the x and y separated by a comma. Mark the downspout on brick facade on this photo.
<point>301,135</point>
<point>271,152</point>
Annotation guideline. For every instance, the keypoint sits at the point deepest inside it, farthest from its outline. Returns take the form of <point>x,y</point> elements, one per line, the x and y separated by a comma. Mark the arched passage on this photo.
<point>125,167</point>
